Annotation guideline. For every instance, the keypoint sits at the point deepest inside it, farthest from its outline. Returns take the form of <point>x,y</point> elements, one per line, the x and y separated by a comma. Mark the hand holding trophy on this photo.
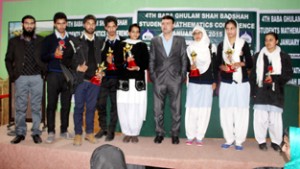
<point>268,75</point>
<point>96,79</point>
<point>110,60</point>
<point>59,50</point>
<point>230,66</point>
<point>130,60</point>
<point>194,71</point>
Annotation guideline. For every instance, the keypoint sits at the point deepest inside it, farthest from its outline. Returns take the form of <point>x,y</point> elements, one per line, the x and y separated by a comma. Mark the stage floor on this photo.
<point>62,154</point>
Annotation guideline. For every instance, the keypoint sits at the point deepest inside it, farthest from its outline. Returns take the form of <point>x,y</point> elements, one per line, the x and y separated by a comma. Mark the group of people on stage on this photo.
<point>114,68</point>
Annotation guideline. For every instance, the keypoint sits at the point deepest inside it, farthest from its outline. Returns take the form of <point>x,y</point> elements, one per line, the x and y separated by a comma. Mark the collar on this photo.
<point>84,35</point>
<point>117,37</point>
<point>162,36</point>
<point>59,36</point>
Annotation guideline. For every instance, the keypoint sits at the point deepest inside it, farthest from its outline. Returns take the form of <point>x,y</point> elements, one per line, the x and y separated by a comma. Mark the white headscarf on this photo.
<point>238,46</point>
<point>273,57</point>
<point>131,41</point>
<point>201,47</point>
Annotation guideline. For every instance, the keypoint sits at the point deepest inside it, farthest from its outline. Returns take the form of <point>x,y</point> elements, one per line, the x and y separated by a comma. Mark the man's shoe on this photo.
<point>17,139</point>
<point>134,139</point>
<point>158,139</point>
<point>77,140</point>
<point>275,147</point>
<point>50,138</point>
<point>110,136</point>
<point>126,139</point>
<point>90,138</point>
<point>36,139</point>
<point>175,140</point>
<point>263,146</point>
<point>101,133</point>
<point>67,135</point>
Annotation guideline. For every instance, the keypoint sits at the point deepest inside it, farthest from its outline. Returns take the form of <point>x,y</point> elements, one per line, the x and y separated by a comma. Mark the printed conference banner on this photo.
<point>211,20</point>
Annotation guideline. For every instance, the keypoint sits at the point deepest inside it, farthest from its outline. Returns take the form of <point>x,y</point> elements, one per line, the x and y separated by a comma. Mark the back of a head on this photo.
<point>108,157</point>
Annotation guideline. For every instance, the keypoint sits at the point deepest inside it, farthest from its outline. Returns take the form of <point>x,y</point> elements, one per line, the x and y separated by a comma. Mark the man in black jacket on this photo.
<point>25,68</point>
<point>87,60</point>
<point>112,54</point>
<point>55,52</point>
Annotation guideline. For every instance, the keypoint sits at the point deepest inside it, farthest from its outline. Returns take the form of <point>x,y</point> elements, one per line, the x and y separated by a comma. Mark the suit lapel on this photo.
<point>173,47</point>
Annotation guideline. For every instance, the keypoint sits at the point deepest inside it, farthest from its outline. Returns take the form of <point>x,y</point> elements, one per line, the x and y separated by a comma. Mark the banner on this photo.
<point>75,26</point>
<point>287,26</point>
<point>212,21</point>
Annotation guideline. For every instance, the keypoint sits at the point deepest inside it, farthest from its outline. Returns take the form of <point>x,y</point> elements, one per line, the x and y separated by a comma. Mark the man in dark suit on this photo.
<point>25,69</point>
<point>167,66</point>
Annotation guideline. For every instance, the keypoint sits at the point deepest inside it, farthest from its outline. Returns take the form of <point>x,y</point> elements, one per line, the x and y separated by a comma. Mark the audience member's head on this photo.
<point>108,157</point>
<point>291,147</point>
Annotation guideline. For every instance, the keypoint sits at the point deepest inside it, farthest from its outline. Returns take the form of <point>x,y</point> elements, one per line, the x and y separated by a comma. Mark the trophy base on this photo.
<point>131,64</point>
<point>230,69</point>
<point>111,66</point>
<point>96,81</point>
<point>195,73</point>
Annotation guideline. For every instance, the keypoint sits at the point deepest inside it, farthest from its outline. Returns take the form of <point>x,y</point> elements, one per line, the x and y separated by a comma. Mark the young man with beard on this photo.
<point>25,68</point>
<point>87,91</point>
<point>112,54</point>
<point>57,50</point>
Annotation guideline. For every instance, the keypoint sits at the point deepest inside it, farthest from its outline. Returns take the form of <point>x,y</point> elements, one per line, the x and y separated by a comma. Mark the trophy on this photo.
<point>111,66</point>
<point>270,71</point>
<point>194,72</point>
<point>127,50</point>
<point>96,80</point>
<point>62,46</point>
<point>229,54</point>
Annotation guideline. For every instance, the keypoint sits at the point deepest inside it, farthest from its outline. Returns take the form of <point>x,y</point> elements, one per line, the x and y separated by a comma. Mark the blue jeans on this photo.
<point>86,94</point>
<point>31,86</point>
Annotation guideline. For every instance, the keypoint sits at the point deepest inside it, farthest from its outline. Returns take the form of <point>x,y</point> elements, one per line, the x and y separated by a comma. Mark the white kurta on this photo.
<point>131,109</point>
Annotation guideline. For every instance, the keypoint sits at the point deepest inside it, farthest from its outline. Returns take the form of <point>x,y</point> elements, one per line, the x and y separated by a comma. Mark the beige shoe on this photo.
<point>77,140</point>
<point>91,138</point>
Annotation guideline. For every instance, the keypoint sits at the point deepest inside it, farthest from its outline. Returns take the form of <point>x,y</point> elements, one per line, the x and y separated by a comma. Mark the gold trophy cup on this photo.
<point>194,72</point>
<point>111,66</point>
<point>127,50</point>
<point>229,54</point>
<point>96,80</point>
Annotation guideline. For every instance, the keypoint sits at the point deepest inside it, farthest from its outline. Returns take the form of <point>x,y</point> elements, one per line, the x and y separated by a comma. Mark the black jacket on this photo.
<point>265,94</point>
<point>246,58</point>
<point>14,59</point>
<point>82,56</point>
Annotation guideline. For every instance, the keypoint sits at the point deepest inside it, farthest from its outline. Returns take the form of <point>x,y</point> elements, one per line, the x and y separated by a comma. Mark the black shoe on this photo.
<point>101,133</point>
<point>263,146</point>
<point>36,139</point>
<point>158,139</point>
<point>275,147</point>
<point>110,136</point>
<point>175,140</point>
<point>17,139</point>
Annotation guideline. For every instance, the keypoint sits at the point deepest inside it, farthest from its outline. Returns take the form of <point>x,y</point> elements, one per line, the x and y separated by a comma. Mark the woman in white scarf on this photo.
<point>200,88</point>
<point>272,70</point>
<point>132,91</point>
<point>233,60</point>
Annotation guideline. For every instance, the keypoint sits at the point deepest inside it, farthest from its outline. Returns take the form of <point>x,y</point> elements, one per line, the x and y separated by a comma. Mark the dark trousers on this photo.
<point>56,84</point>
<point>161,90</point>
<point>108,89</point>
<point>86,94</point>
